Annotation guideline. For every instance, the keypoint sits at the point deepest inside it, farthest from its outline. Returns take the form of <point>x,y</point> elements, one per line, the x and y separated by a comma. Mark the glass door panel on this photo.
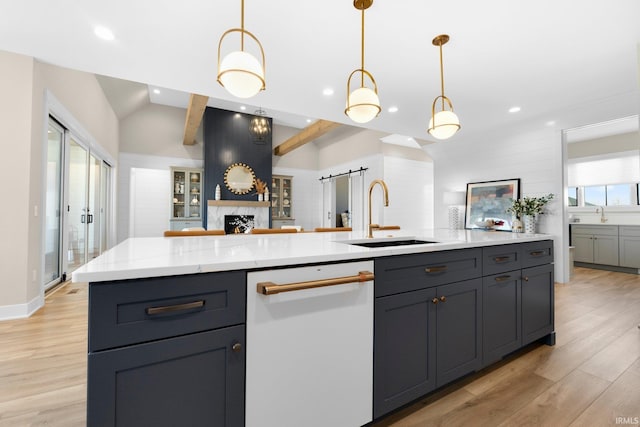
<point>93,211</point>
<point>77,206</point>
<point>53,202</point>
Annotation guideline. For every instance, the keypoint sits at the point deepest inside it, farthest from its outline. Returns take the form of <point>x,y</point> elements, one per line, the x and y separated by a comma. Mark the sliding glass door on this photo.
<point>78,184</point>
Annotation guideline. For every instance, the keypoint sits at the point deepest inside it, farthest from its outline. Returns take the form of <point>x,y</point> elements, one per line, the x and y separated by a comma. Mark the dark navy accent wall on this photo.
<point>226,141</point>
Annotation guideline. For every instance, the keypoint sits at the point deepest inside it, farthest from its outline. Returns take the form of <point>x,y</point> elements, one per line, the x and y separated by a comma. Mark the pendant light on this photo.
<point>240,73</point>
<point>259,127</point>
<point>445,123</point>
<point>363,103</point>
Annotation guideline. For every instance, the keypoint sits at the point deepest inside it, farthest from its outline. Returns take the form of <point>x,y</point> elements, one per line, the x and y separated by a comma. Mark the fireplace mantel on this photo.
<point>241,203</point>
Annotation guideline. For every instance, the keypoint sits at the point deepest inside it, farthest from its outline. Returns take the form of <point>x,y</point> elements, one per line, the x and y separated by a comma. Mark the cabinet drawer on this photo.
<point>135,311</point>
<point>405,273</point>
<point>629,231</point>
<point>497,259</point>
<point>537,253</point>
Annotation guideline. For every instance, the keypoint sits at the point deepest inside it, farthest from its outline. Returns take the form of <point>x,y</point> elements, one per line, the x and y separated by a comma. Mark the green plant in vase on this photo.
<point>527,209</point>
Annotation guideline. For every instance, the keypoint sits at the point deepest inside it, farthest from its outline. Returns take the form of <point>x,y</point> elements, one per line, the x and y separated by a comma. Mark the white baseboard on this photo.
<point>20,311</point>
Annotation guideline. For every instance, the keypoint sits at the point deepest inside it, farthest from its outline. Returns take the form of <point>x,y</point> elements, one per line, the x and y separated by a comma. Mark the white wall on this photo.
<point>410,185</point>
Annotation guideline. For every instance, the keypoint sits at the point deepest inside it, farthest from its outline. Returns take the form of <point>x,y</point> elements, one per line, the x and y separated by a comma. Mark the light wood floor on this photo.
<point>591,376</point>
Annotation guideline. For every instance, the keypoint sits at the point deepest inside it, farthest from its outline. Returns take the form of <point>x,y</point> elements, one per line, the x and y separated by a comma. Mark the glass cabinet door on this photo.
<point>286,198</point>
<point>178,205</point>
<point>195,182</point>
<point>281,197</point>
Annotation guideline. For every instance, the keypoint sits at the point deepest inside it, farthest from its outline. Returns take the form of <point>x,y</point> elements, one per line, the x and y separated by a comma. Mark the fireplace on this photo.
<point>238,224</point>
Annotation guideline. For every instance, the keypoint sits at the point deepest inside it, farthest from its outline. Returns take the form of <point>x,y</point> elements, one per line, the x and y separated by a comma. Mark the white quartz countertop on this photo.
<point>168,256</point>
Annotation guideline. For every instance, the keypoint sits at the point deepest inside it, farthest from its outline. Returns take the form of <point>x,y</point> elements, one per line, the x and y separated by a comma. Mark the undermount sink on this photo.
<point>383,243</point>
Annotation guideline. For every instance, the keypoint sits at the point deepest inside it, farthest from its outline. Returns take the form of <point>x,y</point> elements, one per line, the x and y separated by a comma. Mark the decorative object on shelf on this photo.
<point>240,73</point>
<point>528,209</point>
<point>489,224</point>
<point>266,194</point>
<point>445,123</point>
<point>453,200</point>
<point>195,177</point>
<point>217,194</point>
<point>517,226</point>
<point>363,103</point>
<point>259,127</point>
<point>239,178</point>
<point>261,187</point>
<point>489,200</point>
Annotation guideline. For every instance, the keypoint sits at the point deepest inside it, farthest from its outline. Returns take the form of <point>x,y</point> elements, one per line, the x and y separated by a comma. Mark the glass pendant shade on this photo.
<point>363,105</point>
<point>241,74</point>
<point>444,124</point>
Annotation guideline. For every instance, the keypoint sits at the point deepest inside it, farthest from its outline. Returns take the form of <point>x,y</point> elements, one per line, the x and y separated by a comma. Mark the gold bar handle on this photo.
<point>270,288</point>
<point>537,253</point>
<point>501,258</point>
<point>436,269</point>
<point>177,307</point>
<point>502,278</point>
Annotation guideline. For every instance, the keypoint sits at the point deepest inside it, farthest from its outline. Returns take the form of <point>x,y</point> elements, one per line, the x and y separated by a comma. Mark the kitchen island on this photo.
<point>186,328</point>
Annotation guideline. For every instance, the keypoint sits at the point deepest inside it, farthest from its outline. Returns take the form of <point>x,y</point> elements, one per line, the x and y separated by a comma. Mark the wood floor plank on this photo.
<point>562,403</point>
<point>615,358</point>
<point>620,400</point>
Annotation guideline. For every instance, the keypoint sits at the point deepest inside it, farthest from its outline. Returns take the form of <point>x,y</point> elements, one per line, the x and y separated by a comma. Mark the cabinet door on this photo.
<point>537,302</point>
<point>404,349</point>
<point>630,251</point>
<point>459,332</point>
<point>194,380</point>
<point>501,326</point>
<point>605,250</point>
<point>583,247</point>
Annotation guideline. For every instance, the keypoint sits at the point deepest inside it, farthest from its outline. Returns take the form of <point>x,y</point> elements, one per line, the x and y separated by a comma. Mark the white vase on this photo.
<point>217,194</point>
<point>529,224</point>
<point>517,226</point>
<point>260,197</point>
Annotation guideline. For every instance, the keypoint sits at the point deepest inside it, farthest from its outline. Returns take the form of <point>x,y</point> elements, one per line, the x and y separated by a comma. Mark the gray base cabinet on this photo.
<point>595,244</point>
<point>630,246</point>
<point>440,316</point>
<point>167,351</point>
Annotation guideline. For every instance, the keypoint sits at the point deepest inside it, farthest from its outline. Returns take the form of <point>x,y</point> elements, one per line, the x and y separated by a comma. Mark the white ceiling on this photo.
<point>572,62</point>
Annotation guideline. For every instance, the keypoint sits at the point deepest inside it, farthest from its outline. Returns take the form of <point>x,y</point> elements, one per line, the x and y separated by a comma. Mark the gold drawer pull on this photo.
<point>177,307</point>
<point>436,269</point>
<point>537,253</point>
<point>270,288</point>
<point>501,258</point>
<point>502,278</point>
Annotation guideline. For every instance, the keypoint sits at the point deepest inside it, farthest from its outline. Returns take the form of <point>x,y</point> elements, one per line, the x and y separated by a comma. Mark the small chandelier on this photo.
<point>240,73</point>
<point>363,103</point>
<point>445,123</point>
<point>259,127</point>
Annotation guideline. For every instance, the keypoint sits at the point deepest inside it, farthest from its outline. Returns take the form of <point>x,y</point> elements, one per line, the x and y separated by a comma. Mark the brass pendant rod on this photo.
<point>242,25</point>
<point>441,76</point>
<point>362,51</point>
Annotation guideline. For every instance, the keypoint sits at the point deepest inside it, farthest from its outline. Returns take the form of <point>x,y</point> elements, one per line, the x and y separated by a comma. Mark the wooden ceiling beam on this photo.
<point>195,112</point>
<point>308,134</point>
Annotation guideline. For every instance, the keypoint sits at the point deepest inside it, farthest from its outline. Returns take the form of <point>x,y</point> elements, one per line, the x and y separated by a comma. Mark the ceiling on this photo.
<point>565,63</point>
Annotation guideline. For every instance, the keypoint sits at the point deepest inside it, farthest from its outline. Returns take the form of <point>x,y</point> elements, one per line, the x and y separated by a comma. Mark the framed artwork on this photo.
<point>487,203</point>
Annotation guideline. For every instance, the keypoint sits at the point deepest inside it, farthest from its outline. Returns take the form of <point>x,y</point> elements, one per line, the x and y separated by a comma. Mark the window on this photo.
<point>573,196</point>
<point>619,195</point>
<point>595,195</point>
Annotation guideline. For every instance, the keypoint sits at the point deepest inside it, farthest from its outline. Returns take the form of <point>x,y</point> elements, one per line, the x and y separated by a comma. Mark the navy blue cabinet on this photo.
<point>429,332</point>
<point>167,351</point>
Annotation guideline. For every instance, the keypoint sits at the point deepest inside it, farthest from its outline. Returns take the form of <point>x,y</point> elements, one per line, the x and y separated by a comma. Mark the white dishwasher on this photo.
<point>310,346</point>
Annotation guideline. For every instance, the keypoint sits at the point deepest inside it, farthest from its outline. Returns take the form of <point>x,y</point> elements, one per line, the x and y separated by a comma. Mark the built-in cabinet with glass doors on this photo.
<point>186,199</point>
<point>281,200</point>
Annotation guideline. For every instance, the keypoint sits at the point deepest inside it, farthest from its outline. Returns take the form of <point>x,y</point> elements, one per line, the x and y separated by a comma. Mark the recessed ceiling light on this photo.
<point>551,123</point>
<point>327,92</point>
<point>242,107</point>
<point>308,120</point>
<point>156,91</point>
<point>104,33</point>
<point>237,115</point>
<point>393,109</point>
<point>514,109</point>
